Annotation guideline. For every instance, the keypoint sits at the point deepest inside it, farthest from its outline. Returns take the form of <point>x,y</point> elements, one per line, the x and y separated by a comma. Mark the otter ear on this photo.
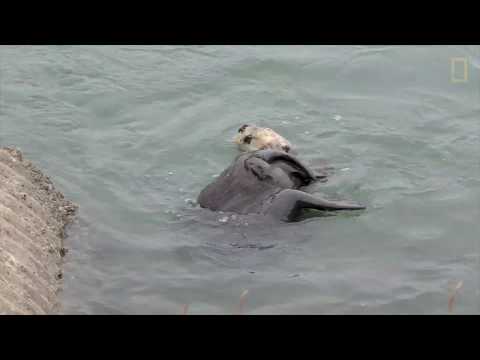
<point>242,128</point>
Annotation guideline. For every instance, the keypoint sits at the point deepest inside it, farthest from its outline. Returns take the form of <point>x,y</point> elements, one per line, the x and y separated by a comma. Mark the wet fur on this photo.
<point>266,182</point>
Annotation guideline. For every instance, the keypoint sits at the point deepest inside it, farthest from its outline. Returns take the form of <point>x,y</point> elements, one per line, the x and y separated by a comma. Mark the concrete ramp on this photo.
<point>33,216</point>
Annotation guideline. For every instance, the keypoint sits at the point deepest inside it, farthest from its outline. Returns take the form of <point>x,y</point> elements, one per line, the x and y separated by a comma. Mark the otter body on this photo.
<point>266,182</point>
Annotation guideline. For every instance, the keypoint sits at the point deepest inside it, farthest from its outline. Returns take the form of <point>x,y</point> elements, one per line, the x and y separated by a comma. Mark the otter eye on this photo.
<point>248,139</point>
<point>242,128</point>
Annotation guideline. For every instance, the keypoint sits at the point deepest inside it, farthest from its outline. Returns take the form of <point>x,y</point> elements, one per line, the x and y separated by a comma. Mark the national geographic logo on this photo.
<point>459,70</point>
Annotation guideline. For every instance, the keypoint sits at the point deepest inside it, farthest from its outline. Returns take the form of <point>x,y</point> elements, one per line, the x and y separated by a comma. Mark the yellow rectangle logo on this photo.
<point>459,70</point>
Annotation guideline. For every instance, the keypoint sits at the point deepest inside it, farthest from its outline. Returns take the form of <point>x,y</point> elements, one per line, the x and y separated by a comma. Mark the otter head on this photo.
<point>252,138</point>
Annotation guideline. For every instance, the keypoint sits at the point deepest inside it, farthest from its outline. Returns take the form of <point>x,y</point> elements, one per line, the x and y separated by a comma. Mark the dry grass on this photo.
<point>453,294</point>
<point>453,291</point>
<point>242,301</point>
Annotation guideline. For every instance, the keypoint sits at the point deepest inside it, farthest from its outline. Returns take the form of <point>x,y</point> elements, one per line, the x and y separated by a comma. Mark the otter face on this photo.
<point>252,138</point>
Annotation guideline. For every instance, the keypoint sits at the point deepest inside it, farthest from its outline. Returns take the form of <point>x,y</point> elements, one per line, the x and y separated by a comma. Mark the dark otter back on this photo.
<point>236,189</point>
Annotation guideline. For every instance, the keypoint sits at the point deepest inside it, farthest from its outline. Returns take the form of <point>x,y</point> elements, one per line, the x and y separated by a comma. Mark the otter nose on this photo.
<point>286,148</point>
<point>248,139</point>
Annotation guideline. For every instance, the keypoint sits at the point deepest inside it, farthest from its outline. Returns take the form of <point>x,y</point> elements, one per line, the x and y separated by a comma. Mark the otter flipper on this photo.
<point>274,156</point>
<point>289,203</point>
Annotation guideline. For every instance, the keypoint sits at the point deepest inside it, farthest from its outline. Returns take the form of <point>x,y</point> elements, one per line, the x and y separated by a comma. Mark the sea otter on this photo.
<point>251,138</point>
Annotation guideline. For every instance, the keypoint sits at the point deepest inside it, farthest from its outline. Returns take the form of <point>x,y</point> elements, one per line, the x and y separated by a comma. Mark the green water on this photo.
<point>133,133</point>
